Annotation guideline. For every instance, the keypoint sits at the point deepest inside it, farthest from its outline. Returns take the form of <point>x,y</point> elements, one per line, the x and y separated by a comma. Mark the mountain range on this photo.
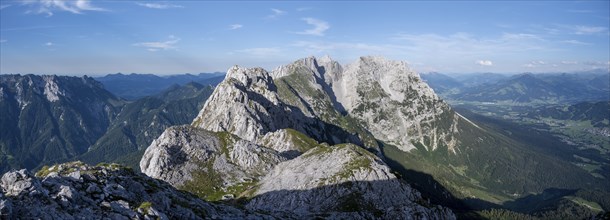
<point>374,104</point>
<point>52,119</point>
<point>134,86</point>
<point>313,139</point>
<point>46,119</point>
<point>536,89</point>
<point>143,120</point>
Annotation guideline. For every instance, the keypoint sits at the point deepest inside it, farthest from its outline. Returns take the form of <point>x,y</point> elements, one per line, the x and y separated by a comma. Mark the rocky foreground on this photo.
<point>78,191</point>
<point>109,191</point>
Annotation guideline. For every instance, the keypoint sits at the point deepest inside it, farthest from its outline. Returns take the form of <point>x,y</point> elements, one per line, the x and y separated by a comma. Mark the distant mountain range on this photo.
<point>524,88</point>
<point>143,120</point>
<point>597,113</point>
<point>46,119</point>
<point>50,119</point>
<point>134,86</point>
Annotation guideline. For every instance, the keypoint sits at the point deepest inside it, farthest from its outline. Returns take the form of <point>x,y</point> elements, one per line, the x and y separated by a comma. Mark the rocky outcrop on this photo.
<point>185,157</point>
<point>343,180</point>
<point>174,155</point>
<point>78,191</point>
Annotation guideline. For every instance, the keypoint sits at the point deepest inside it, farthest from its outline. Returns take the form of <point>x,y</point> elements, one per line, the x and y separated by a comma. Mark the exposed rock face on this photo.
<point>77,191</point>
<point>183,151</point>
<point>343,180</point>
<point>248,104</point>
<point>387,97</point>
<point>264,138</point>
<point>394,103</point>
<point>174,154</point>
<point>243,104</point>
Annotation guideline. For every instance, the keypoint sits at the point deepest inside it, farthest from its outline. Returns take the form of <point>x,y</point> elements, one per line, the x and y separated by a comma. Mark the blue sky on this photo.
<point>76,37</point>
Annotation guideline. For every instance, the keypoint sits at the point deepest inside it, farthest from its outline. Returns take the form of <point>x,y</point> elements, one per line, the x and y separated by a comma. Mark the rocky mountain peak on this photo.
<point>323,68</point>
<point>249,76</point>
<point>387,95</point>
<point>283,140</point>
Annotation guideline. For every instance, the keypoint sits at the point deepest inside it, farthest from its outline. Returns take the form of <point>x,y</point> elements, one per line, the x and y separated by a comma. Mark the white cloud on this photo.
<point>319,27</point>
<point>4,6</point>
<point>49,44</point>
<point>159,45</point>
<point>567,65</point>
<point>3,40</point>
<point>520,36</point>
<point>484,62</point>
<point>584,30</point>
<point>589,30</point>
<point>235,26</point>
<point>304,9</point>
<point>569,62</point>
<point>537,63</point>
<point>159,5</point>
<point>50,6</point>
<point>276,13</point>
<point>576,42</point>
<point>261,51</point>
<point>596,63</point>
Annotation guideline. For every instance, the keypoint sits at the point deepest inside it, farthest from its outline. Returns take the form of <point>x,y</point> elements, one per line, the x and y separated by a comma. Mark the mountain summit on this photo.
<point>301,140</point>
<point>378,97</point>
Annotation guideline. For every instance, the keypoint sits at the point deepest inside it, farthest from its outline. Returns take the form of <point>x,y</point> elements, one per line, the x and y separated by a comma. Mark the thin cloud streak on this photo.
<point>319,27</point>
<point>575,42</point>
<point>235,26</point>
<point>276,13</point>
<point>584,29</point>
<point>159,45</point>
<point>159,5</point>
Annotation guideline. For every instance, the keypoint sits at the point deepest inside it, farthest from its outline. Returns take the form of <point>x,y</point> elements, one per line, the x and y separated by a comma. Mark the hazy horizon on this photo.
<point>175,37</point>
